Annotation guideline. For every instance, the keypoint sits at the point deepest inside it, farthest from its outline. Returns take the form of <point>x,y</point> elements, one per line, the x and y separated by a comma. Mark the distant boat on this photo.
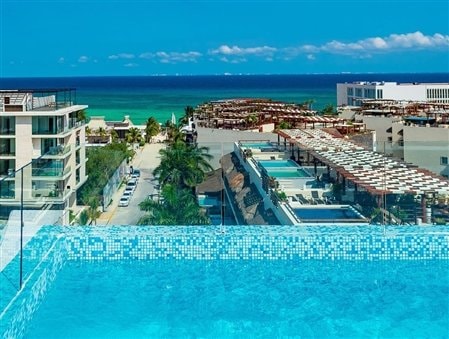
<point>173,119</point>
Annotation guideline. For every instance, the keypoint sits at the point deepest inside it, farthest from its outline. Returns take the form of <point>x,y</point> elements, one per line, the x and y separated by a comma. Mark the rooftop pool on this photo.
<point>234,281</point>
<point>259,145</point>
<point>288,173</point>
<point>278,163</point>
<point>328,213</point>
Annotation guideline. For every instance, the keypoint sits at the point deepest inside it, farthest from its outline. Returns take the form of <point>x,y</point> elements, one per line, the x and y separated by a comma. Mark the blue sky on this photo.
<point>78,38</point>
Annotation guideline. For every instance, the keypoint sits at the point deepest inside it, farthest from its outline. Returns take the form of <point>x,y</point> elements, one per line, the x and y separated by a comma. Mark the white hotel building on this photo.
<point>352,94</point>
<point>42,147</point>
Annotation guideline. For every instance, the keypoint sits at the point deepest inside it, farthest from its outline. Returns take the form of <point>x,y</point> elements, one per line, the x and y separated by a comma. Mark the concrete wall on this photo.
<point>424,146</point>
<point>380,125</point>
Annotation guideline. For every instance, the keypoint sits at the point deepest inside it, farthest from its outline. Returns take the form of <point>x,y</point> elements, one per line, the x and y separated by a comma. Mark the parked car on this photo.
<point>136,173</point>
<point>132,183</point>
<point>129,189</point>
<point>124,201</point>
<point>127,194</point>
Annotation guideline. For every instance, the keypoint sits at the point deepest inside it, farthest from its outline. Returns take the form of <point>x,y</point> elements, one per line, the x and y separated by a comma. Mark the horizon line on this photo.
<point>225,74</point>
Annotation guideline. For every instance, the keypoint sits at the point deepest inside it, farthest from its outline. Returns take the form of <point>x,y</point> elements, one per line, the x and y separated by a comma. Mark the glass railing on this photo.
<point>58,150</point>
<point>22,214</point>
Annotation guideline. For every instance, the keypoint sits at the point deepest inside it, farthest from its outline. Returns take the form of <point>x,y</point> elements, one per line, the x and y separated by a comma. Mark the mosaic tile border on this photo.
<point>258,242</point>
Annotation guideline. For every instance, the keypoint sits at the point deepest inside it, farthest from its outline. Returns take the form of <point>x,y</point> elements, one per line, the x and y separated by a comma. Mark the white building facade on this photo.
<point>42,149</point>
<point>352,94</point>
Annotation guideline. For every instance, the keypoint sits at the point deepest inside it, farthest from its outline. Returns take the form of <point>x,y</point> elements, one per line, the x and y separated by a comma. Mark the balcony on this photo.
<point>51,172</point>
<point>59,150</point>
<point>56,194</point>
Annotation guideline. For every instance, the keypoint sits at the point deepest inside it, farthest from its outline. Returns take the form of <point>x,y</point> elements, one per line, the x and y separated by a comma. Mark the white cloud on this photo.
<point>131,65</point>
<point>171,57</point>
<point>61,60</point>
<point>364,48</point>
<point>239,51</point>
<point>121,56</point>
<point>310,57</point>
<point>233,60</point>
<point>83,59</point>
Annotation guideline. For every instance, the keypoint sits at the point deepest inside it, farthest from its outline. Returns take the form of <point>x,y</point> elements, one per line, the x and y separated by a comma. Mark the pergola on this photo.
<point>377,174</point>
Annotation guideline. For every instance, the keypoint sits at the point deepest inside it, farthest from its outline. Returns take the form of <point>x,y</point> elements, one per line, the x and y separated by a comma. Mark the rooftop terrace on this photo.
<point>22,100</point>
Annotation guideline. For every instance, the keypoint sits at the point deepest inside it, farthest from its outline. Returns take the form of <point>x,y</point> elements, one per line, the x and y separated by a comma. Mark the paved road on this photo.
<point>146,160</point>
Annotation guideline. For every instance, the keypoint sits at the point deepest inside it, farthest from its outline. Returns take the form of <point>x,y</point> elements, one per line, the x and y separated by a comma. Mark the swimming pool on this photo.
<point>278,163</point>
<point>327,213</point>
<point>207,201</point>
<point>239,281</point>
<point>199,298</point>
<point>259,145</point>
<point>288,173</point>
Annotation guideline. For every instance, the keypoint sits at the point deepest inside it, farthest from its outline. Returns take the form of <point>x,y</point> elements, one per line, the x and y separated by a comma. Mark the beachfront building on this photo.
<point>363,176</point>
<point>414,132</point>
<point>260,115</point>
<point>42,149</point>
<point>100,131</point>
<point>353,94</point>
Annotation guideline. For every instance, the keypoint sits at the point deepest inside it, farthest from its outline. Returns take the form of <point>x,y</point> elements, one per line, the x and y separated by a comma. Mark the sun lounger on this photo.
<point>302,200</point>
<point>317,198</point>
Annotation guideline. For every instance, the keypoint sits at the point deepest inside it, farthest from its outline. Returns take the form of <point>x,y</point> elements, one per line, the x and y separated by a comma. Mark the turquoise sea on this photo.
<point>144,96</point>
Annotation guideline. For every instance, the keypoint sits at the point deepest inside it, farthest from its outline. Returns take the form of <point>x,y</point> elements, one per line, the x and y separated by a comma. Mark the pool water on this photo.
<point>259,145</point>
<point>241,298</point>
<point>297,173</point>
<point>208,201</point>
<point>327,213</point>
<point>278,163</point>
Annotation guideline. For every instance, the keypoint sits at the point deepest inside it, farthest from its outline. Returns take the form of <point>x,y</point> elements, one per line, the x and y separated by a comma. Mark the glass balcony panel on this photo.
<point>7,147</point>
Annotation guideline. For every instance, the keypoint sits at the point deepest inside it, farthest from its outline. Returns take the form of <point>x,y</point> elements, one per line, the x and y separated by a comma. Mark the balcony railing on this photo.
<point>46,193</point>
<point>50,172</point>
<point>59,150</point>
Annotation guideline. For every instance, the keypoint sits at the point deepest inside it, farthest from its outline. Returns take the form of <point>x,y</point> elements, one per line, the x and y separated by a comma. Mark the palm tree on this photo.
<point>178,207</point>
<point>133,136</point>
<point>92,212</point>
<point>308,104</point>
<point>173,133</point>
<point>114,135</point>
<point>188,113</point>
<point>81,115</point>
<point>183,165</point>
<point>251,119</point>
<point>101,132</point>
<point>152,129</point>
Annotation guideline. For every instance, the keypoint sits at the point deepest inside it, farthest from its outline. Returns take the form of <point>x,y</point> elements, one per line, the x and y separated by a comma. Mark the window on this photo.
<point>443,161</point>
<point>350,91</point>
<point>358,92</point>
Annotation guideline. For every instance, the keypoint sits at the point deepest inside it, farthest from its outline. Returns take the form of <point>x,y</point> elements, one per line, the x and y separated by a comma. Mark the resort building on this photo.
<point>42,136</point>
<point>296,194</point>
<point>352,94</point>
<point>261,115</point>
<point>414,132</point>
<point>358,172</point>
<point>100,131</point>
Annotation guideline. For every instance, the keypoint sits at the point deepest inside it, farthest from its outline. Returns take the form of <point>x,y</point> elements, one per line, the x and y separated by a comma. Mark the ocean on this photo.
<point>159,96</point>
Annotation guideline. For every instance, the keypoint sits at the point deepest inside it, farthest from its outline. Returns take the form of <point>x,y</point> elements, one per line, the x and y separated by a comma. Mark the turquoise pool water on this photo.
<point>327,213</point>
<point>288,173</point>
<point>259,145</point>
<point>246,298</point>
<point>278,163</point>
<point>208,201</point>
